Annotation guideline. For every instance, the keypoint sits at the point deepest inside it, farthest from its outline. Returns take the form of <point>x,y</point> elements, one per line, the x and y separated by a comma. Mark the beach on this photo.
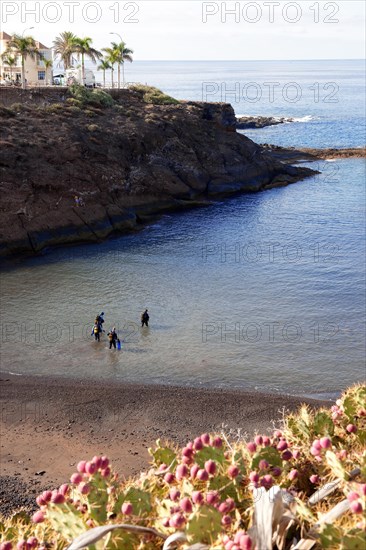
<point>49,424</point>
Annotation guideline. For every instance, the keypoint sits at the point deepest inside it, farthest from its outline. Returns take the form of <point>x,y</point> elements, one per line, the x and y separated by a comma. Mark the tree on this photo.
<point>122,54</point>
<point>11,61</point>
<point>104,66</point>
<point>83,48</point>
<point>64,46</point>
<point>111,57</point>
<point>48,64</point>
<point>24,46</point>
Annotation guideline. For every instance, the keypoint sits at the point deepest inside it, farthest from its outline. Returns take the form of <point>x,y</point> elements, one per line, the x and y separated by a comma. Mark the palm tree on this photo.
<point>111,57</point>
<point>24,46</point>
<point>11,61</point>
<point>83,47</point>
<point>122,54</point>
<point>104,66</point>
<point>48,64</point>
<point>64,46</point>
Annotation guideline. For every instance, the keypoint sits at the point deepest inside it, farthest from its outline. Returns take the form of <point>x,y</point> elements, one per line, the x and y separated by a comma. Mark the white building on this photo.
<point>36,73</point>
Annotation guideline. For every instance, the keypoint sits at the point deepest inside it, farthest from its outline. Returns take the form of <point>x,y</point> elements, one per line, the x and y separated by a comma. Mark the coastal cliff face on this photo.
<point>127,162</point>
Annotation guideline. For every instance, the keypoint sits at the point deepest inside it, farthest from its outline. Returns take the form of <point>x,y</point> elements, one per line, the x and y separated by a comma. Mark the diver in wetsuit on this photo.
<point>145,318</point>
<point>112,336</point>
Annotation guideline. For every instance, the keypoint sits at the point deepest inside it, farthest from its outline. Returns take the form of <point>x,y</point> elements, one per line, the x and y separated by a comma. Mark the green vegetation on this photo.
<point>303,486</point>
<point>86,96</point>
<point>154,95</point>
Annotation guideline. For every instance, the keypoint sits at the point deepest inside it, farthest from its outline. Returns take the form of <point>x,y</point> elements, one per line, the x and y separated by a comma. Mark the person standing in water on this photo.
<point>112,335</point>
<point>145,318</point>
<point>96,332</point>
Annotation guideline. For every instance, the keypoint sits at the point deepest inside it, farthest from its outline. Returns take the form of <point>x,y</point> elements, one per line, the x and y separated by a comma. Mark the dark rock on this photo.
<point>128,163</point>
<point>249,122</point>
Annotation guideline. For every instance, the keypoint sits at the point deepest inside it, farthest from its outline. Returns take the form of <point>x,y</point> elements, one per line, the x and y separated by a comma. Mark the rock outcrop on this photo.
<point>250,122</point>
<point>127,162</point>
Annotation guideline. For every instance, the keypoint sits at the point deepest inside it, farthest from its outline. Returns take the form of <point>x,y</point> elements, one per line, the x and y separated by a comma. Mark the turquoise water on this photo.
<point>261,291</point>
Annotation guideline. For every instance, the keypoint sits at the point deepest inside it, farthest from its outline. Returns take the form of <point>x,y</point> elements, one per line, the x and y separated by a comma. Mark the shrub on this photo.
<point>209,490</point>
<point>86,96</point>
<point>154,95</point>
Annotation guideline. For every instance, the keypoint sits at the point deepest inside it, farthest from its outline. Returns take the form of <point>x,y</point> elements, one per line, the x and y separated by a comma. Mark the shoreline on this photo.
<point>48,425</point>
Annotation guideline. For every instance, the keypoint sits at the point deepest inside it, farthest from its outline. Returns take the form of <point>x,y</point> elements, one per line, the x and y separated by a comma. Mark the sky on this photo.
<point>197,30</point>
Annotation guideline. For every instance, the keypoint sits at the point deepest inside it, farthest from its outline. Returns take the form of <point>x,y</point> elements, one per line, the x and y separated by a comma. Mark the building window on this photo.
<point>41,75</point>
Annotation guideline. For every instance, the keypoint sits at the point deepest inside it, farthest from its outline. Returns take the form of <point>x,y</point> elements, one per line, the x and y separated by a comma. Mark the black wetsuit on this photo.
<point>145,319</point>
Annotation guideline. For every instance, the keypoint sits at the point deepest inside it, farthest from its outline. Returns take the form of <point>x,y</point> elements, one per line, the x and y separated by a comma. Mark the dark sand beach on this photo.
<point>49,424</point>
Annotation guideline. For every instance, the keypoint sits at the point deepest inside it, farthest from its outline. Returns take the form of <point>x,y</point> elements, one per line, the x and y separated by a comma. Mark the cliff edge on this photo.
<point>127,158</point>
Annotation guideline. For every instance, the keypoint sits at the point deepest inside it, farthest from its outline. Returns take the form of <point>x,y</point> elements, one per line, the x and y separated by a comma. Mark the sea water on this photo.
<point>262,291</point>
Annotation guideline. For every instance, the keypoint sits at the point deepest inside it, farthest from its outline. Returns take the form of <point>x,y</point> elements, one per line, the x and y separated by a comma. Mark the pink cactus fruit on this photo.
<point>46,495</point>
<point>57,498</point>
<point>254,477</point>
<point>197,497</point>
<point>363,489</point>
<point>266,441</point>
<point>22,545</point>
<point>282,445</point>
<point>286,455</point>
<point>90,468</point>
<point>210,467</point>
<point>106,472</point>
<point>276,471</point>
<point>194,470</point>
<point>64,489</point>
<point>6,545</point>
<point>177,520</point>
<point>325,442</point>
<point>197,444</point>
<point>212,497</point>
<point>84,488</point>
<point>76,478</point>
<point>32,542</point>
<point>205,438</point>
<point>97,460</point>
<point>104,462</point>
<point>202,475</point>
<point>217,442</point>
<point>294,474</point>
<point>226,521</point>
<point>245,542</point>
<point>251,446</point>
<point>127,508</point>
<point>356,507</point>
<point>351,428</point>
<point>233,471</point>
<point>296,454</point>
<point>352,496</point>
<point>267,481</point>
<point>181,471</point>
<point>258,440</point>
<point>263,464</point>
<point>186,505</point>
<point>314,479</point>
<point>169,477</point>
<point>174,494</point>
<point>81,467</point>
<point>38,517</point>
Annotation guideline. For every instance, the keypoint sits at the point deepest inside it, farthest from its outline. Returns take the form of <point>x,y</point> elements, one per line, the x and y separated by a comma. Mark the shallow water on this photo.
<point>259,291</point>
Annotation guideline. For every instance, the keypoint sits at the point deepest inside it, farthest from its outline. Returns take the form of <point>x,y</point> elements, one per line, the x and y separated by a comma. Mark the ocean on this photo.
<point>260,291</point>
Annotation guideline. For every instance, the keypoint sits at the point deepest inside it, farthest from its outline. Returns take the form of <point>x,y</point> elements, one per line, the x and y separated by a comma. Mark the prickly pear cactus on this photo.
<point>204,525</point>
<point>66,520</point>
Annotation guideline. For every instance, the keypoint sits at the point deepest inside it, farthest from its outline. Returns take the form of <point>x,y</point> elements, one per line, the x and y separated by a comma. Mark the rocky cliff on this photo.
<point>127,161</point>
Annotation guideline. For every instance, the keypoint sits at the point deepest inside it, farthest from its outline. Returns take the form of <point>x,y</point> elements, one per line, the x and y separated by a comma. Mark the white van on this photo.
<point>75,76</point>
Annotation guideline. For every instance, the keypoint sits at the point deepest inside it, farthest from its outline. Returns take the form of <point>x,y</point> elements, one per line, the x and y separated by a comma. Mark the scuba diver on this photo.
<point>100,320</point>
<point>145,318</point>
<point>112,336</point>
<point>96,331</point>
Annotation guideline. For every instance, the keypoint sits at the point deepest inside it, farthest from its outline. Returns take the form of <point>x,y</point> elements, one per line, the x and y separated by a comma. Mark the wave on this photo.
<point>306,118</point>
